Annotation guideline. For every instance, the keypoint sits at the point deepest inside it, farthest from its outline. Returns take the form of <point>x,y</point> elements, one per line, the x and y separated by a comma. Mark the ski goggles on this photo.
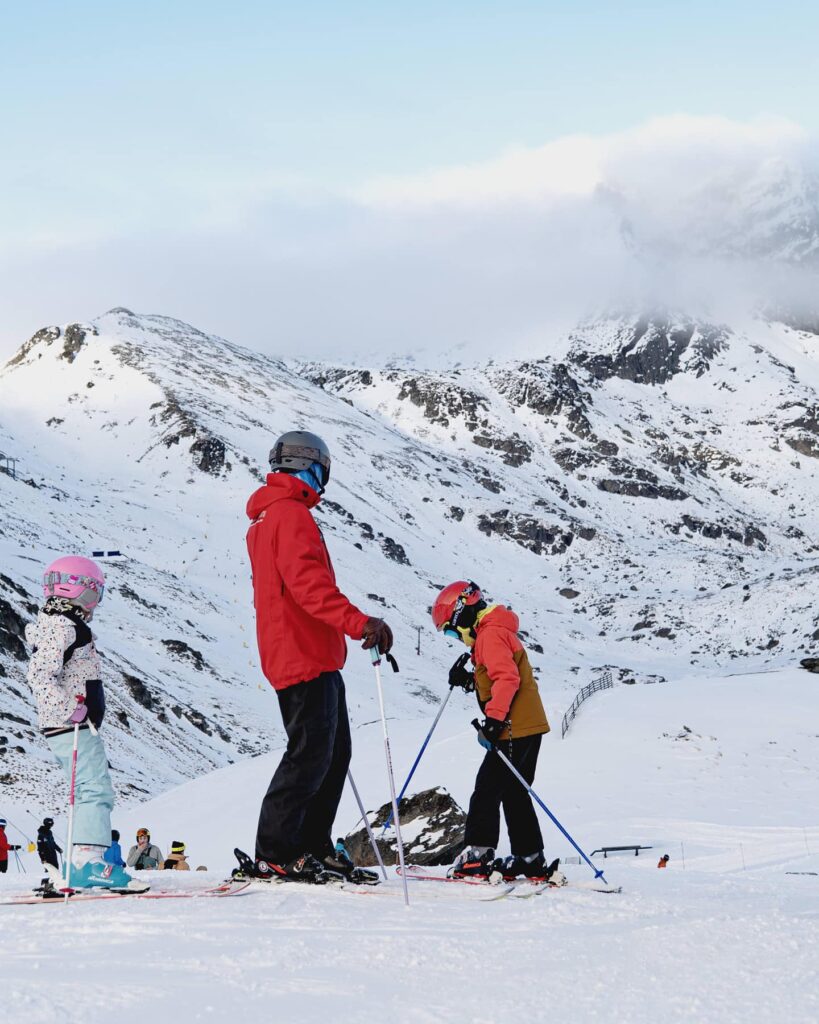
<point>53,579</point>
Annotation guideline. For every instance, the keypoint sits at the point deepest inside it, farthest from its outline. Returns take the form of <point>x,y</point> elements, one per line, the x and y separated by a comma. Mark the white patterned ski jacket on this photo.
<point>64,663</point>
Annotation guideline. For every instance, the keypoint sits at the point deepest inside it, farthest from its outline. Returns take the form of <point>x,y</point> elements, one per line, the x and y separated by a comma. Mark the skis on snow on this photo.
<point>518,888</point>
<point>55,896</point>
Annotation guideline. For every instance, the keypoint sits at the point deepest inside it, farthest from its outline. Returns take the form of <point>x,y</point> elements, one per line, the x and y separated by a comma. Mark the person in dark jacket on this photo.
<point>301,621</point>
<point>46,844</point>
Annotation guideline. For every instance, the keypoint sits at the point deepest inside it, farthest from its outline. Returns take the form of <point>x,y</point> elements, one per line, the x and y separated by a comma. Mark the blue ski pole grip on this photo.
<point>375,656</point>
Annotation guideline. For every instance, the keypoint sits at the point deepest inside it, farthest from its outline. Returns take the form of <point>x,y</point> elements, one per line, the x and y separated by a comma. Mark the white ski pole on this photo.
<point>376,851</point>
<point>376,658</point>
<point>77,717</point>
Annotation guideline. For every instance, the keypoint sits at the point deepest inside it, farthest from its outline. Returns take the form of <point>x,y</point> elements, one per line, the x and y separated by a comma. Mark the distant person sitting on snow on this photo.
<point>5,847</point>
<point>301,622</point>
<point>47,845</point>
<point>177,861</point>
<point>113,855</point>
<point>515,720</point>
<point>64,666</point>
<point>143,855</point>
<point>663,861</point>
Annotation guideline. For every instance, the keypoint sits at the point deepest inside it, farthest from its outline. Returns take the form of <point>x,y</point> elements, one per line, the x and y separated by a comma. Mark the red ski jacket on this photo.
<point>4,845</point>
<point>301,615</point>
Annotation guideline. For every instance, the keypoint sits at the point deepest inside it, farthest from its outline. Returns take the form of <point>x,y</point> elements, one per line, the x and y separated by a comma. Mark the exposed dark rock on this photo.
<point>571,458</point>
<point>439,841</point>
<point>441,401</point>
<point>569,593</point>
<point>139,691</point>
<point>74,339</point>
<point>209,454</point>
<point>810,664</point>
<point>185,653</point>
<point>392,549</point>
<point>807,442</point>
<point>640,489</point>
<point>746,534</point>
<point>46,335</point>
<point>514,450</point>
<point>12,631</point>
<point>456,513</point>
<point>132,595</point>
<point>526,531</point>
<point>653,350</point>
<point>549,390</point>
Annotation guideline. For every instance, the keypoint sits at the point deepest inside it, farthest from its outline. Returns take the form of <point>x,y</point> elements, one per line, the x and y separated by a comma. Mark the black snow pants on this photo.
<point>3,865</point>
<point>495,785</point>
<point>300,805</point>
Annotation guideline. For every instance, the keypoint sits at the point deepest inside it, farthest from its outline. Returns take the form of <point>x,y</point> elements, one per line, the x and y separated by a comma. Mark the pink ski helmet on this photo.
<point>77,579</point>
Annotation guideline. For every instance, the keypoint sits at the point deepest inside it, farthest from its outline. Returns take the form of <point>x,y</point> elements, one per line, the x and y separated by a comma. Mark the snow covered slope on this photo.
<point>719,773</point>
<point>644,496</point>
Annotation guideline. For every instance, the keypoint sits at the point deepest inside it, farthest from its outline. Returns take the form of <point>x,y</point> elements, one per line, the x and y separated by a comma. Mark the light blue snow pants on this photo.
<point>93,793</point>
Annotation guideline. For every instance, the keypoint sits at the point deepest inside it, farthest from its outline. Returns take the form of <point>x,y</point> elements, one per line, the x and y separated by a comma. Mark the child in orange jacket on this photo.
<point>514,719</point>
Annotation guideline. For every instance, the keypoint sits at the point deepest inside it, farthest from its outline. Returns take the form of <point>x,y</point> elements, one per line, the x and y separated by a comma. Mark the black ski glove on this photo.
<point>460,675</point>
<point>489,732</point>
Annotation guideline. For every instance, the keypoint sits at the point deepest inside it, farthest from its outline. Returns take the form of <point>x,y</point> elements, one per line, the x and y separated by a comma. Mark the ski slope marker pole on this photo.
<point>376,659</point>
<point>374,844</point>
<point>597,873</point>
<point>444,703</point>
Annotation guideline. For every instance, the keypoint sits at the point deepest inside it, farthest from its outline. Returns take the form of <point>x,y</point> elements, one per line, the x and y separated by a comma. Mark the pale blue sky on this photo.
<point>122,120</point>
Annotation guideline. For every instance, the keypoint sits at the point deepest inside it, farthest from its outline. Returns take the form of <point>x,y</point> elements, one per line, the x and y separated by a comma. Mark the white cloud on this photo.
<point>677,152</point>
<point>475,260</point>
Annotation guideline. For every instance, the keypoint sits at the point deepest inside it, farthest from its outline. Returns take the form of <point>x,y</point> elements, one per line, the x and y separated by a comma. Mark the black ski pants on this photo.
<point>300,805</point>
<point>495,785</point>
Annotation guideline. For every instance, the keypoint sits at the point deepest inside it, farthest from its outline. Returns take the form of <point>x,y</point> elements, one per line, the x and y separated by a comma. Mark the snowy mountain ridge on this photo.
<point>644,497</point>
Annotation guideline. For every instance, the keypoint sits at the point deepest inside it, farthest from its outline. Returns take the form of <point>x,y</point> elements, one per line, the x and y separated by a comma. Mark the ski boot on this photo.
<point>98,874</point>
<point>533,867</point>
<point>475,862</point>
<point>340,863</point>
<point>301,869</point>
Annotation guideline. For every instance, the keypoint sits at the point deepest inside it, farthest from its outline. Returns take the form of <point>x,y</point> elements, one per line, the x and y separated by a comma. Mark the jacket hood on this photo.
<point>279,487</point>
<point>499,617</point>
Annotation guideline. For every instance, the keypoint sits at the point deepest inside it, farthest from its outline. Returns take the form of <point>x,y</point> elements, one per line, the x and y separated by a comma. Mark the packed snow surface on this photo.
<point>719,773</point>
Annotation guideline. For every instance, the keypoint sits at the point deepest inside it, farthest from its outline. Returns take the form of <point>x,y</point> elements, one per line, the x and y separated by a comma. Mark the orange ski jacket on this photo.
<point>504,682</point>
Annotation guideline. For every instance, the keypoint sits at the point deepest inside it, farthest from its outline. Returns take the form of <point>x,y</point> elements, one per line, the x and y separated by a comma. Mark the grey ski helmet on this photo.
<point>297,450</point>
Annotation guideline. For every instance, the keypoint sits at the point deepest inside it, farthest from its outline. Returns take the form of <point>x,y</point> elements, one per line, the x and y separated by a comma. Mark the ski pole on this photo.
<point>77,717</point>
<point>376,659</point>
<point>376,851</point>
<point>444,703</point>
<point>597,874</point>
<point>31,845</point>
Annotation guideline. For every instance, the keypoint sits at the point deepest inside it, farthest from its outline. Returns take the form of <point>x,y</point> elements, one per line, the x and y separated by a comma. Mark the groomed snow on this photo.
<point>724,934</point>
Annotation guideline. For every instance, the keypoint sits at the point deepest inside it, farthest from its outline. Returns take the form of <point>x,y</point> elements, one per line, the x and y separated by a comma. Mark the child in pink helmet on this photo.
<point>65,665</point>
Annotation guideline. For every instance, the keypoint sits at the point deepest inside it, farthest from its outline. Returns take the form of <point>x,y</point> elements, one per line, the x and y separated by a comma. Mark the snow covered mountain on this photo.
<point>644,496</point>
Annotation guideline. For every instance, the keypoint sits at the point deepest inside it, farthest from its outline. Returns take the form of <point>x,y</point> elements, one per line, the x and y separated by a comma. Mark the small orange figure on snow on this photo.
<point>663,861</point>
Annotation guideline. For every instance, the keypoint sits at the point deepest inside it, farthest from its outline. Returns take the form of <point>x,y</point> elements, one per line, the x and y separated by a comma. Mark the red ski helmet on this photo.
<point>451,602</point>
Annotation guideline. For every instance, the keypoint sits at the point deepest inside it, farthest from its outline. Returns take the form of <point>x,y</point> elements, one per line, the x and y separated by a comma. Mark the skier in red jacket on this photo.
<point>5,846</point>
<point>301,621</point>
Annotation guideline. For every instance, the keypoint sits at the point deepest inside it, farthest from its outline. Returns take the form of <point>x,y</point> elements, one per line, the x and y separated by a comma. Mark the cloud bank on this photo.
<point>702,214</point>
